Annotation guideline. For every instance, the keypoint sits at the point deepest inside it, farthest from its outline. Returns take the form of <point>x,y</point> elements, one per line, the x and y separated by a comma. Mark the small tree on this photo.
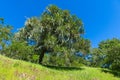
<point>20,50</point>
<point>97,57</point>
<point>113,57</point>
<point>5,34</point>
<point>111,49</point>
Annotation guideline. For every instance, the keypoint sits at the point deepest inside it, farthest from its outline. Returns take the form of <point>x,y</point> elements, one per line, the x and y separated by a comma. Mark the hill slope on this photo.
<point>19,70</point>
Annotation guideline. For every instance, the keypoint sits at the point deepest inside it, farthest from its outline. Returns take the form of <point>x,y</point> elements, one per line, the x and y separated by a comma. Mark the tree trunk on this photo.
<point>41,56</point>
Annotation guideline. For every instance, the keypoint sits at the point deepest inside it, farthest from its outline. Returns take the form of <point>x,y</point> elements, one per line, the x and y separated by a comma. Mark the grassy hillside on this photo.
<point>19,70</point>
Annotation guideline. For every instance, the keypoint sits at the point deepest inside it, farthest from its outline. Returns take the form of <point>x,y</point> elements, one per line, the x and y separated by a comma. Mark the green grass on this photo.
<point>19,70</point>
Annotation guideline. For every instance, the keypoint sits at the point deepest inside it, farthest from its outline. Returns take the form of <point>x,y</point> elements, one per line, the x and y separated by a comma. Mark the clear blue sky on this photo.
<point>101,18</point>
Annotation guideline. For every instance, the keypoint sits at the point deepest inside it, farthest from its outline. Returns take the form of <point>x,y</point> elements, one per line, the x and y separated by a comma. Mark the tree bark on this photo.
<point>41,56</point>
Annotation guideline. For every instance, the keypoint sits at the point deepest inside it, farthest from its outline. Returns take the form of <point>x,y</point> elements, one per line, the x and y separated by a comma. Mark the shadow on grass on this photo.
<point>62,68</point>
<point>115,73</point>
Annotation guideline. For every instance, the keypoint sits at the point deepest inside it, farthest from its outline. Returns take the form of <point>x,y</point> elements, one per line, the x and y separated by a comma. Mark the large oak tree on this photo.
<point>56,31</point>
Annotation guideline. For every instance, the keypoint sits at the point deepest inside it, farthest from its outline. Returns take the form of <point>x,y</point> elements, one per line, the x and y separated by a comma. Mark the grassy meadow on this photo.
<point>11,69</point>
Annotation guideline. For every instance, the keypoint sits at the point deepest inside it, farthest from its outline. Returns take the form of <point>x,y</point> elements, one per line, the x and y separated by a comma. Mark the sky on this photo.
<point>101,18</point>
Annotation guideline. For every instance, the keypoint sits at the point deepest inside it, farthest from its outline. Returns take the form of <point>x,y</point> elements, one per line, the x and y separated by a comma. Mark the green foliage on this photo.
<point>84,45</point>
<point>59,59</point>
<point>114,57</point>
<point>20,50</point>
<point>97,58</point>
<point>111,49</point>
